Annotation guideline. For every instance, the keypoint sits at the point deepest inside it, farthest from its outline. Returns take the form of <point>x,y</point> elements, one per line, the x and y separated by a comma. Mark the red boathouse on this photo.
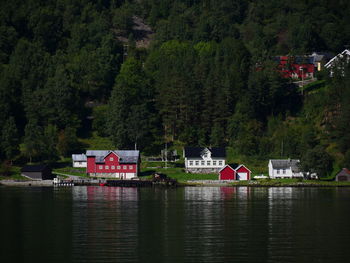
<point>239,173</point>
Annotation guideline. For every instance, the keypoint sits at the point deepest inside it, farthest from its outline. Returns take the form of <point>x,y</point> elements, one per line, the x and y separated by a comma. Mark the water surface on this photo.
<point>191,224</point>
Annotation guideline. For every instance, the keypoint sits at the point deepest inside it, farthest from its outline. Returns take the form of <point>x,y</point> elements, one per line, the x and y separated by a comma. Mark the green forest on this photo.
<point>183,72</point>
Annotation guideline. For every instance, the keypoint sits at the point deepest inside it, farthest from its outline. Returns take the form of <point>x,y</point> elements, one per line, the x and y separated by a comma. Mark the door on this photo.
<point>242,176</point>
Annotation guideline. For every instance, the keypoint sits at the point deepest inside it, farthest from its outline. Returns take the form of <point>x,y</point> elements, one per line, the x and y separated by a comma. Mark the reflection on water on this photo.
<point>192,224</point>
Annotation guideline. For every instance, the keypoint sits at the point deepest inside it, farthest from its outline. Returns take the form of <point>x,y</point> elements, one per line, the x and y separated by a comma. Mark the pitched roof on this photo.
<point>330,63</point>
<point>344,171</point>
<point>294,164</point>
<point>79,157</point>
<point>34,168</point>
<point>242,165</point>
<point>198,151</point>
<point>126,156</point>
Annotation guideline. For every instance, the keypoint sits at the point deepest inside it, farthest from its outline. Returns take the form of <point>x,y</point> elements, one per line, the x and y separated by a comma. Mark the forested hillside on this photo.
<point>73,69</point>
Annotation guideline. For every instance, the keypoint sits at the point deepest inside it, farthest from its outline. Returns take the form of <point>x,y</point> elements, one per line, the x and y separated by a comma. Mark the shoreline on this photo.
<point>201,183</point>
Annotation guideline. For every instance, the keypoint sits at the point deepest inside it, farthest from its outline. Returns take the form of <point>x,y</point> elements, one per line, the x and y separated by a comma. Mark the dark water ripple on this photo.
<point>193,224</point>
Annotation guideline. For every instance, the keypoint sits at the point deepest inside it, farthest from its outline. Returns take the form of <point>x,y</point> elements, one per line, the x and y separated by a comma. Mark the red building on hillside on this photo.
<point>116,164</point>
<point>297,67</point>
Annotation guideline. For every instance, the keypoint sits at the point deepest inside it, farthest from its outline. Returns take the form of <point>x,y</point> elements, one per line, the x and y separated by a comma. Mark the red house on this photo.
<point>116,164</point>
<point>296,67</point>
<point>239,173</point>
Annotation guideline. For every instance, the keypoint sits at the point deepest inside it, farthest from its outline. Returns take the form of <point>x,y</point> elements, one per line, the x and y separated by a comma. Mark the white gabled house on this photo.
<point>338,62</point>
<point>79,160</point>
<point>289,168</point>
<point>204,159</point>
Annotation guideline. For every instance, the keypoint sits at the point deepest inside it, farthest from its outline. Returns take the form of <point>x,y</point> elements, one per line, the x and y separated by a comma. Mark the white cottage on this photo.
<point>338,62</point>
<point>204,159</point>
<point>289,168</point>
<point>79,160</point>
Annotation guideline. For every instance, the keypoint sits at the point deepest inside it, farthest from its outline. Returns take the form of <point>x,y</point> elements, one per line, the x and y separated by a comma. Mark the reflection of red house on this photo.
<point>239,173</point>
<point>296,67</point>
<point>118,164</point>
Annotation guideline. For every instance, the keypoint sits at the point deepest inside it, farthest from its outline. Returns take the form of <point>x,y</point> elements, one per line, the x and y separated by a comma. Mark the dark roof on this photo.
<point>34,168</point>
<point>197,151</point>
<point>233,165</point>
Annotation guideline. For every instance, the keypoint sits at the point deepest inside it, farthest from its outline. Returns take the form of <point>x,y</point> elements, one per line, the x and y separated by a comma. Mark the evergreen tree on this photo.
<point>33,140</point>
<point>10,139</point>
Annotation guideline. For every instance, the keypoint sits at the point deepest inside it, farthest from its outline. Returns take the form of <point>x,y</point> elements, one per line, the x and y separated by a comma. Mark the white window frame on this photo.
<point>130,167</point>
<point>111,159</point>
<point>197,163</point>
<point>214,163</point>
<point>118,167</point>
<point>202,163</point>
<point>107,167</point>
<point>112,167</point>
<point>220,162</point>
<point>190,163</point>
<point>125,167</point>
<point>100,167</point>
<point>208,163</point>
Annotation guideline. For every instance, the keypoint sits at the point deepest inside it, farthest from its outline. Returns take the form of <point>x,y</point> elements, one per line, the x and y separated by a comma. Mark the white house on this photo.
<point>289,168</point>
<point>338,62</point>
<point>79,160</point>
<point>204,159</point>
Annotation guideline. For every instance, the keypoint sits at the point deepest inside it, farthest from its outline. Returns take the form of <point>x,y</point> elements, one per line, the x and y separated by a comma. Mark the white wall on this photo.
<point>206,160</point>
<point>79,164</point>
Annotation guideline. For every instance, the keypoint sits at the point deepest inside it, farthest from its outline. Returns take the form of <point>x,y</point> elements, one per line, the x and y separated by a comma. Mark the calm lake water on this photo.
<point>191,224</point>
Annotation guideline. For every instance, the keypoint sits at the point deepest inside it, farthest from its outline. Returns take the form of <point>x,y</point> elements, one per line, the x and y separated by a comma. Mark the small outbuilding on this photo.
<point>243,173</point>
<point>234,172</point>
<point>343,175</point>
<point>79,160</point>
<point>37,172</point>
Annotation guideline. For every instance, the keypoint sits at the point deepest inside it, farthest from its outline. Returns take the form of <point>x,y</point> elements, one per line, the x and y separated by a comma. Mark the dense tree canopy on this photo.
<point>71,68</point>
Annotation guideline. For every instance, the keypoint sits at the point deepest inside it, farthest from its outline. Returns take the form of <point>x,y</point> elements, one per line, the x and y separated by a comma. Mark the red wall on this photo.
<point>93,167</point>
<point>90,168</point>
<point>227,174</point>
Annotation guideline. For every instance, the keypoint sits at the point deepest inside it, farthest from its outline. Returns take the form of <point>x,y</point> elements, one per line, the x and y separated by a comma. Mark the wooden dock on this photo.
<point>115,183</point>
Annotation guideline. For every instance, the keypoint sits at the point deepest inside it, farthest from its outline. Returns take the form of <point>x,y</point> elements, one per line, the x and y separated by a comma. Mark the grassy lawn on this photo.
<point>177,173</point>
<point>71,171</point>
<point>15,175</point>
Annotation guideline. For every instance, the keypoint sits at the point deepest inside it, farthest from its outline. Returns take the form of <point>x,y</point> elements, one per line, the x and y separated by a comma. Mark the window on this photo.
<point>197,162</point>
<point>130,167</point>
<point>100,167</point>
<point>208,163</point>
<point>205,155</point>
<point>202,163</point>
<point>125,167</point>
<point>220,162</point>
<point>107,167</point>
<point>191,163</point>
<point>214,162</point>
<point>111,159</point>
<point>284,171</point>
<point>118,167</point>
<point>113,167</point>
<point>278,171</point>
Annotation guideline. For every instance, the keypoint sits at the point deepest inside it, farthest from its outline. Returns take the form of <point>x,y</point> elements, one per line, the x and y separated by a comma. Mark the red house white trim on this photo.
<point>241,172</point>
<point>115,164</point>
